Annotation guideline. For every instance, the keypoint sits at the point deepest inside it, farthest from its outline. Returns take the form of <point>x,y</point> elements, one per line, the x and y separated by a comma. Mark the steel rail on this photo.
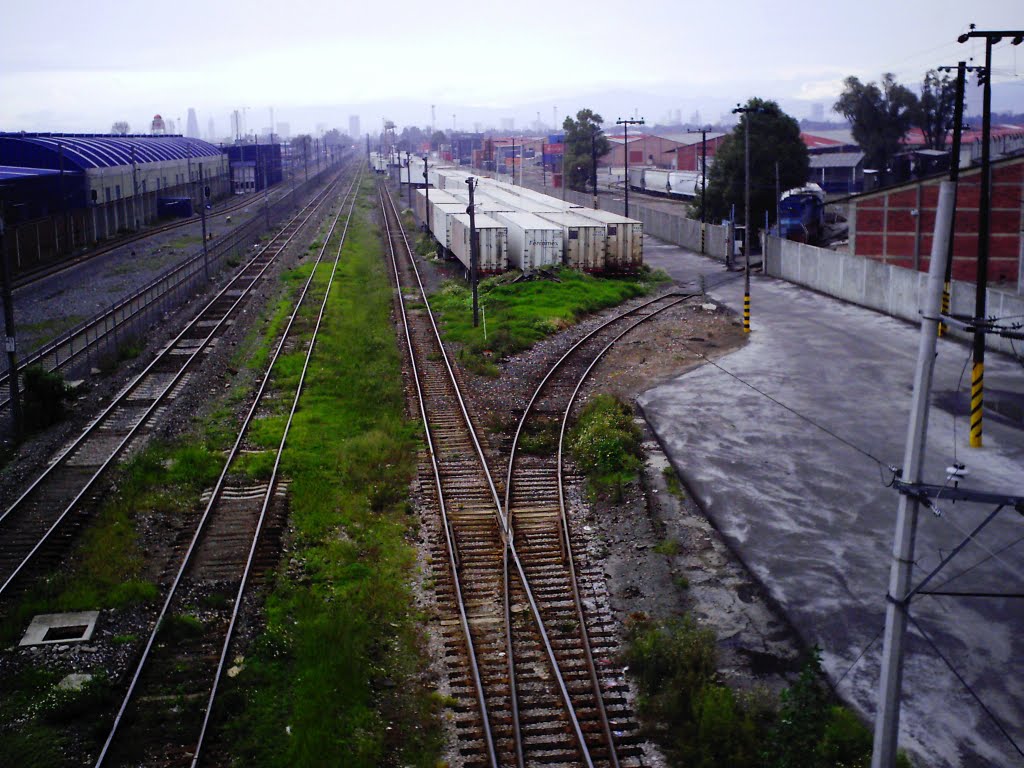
<point>122,396</point>
<point>215,497</point>
<point>506,533</point>
<point>32,276</point>
<point>173,277</point>
<point>446,523</point>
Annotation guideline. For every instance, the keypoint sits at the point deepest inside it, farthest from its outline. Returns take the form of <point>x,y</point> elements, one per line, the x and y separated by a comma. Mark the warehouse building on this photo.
<point>61,192</point>
<point>254,166</point>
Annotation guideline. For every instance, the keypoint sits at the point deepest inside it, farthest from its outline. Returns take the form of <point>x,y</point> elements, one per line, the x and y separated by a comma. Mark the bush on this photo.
<point>45,394</point>
<point>606,444</point>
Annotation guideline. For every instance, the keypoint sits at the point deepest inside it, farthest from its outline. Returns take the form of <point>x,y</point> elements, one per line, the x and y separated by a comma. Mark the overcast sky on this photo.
<point>78,66</point>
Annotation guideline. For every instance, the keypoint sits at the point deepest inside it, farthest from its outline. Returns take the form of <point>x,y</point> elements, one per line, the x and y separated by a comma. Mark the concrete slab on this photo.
<point>60,628</point>
<point>808,510</point>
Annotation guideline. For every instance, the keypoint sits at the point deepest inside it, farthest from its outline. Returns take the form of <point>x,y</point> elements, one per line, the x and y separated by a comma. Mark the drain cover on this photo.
<point>56,628</point>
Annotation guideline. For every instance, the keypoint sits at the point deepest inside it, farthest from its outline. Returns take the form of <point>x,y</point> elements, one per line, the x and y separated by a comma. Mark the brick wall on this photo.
<point>895,226</point>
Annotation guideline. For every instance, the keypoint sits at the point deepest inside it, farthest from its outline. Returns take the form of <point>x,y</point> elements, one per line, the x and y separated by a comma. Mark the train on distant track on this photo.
<point>802,214</point>
<point>684,185</point>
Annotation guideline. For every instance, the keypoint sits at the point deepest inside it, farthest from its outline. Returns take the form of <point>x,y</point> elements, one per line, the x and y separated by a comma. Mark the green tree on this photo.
<point>120,128</point>
<point>437,139</point>
<point>934,114</point>
<point>880,115</point>
<point>583,136</point>
<point>774,138</point>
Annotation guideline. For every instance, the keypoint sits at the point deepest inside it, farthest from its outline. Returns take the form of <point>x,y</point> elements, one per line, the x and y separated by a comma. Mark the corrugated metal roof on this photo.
<point>828,138</point>
<point>837,160</point>
<point>8,172</point>
<point>86,151</point>
<point>688,138</point>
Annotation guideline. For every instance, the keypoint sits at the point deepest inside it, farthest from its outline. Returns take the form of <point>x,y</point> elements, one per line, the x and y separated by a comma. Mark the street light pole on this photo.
<point>473,254</point>
<point>625,144</point>
<point>426,192</point>
<point>9,341</point>
<point>745,111</point>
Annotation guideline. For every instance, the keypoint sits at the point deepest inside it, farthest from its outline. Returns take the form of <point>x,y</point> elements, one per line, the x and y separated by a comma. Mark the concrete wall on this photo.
<point>887,288</point>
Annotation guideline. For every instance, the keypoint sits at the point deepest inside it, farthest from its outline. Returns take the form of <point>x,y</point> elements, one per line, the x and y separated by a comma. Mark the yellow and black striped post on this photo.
<point>945,308</point>
<point>977,396</point>
<point>746,313</point>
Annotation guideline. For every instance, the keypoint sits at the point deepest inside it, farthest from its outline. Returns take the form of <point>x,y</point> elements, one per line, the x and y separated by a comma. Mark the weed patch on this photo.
<point>701,722</point>
<point>606,444</point>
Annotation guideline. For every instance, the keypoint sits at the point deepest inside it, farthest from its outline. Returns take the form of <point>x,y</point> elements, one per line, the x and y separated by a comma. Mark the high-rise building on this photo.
<point>211,130</point>
<point>284,131</point>
<point>817,111</point>
<point>236,125</point>
<point>508,123</point>
<point>353,126</point>
<point>192,124</point>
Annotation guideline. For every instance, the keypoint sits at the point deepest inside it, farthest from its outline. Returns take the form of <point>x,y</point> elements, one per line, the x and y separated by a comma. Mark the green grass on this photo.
<point>669,547</point>
<point>108,561</point>
<point>335,677</point>
<point>184,241</point>
<point>521,314</point>
<point>672,483</point>
<point>606,444</point>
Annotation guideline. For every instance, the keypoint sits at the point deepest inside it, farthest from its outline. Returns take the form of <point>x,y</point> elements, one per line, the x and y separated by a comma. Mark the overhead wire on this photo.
<point>967,686</point>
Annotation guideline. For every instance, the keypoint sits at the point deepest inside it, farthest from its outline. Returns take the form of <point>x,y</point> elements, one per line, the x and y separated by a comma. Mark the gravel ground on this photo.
<point>45,308</point>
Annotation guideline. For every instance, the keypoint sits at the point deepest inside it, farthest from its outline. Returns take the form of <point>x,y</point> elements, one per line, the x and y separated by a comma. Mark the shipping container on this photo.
<point>435,196</point>
<point>441,221</point>
<point>492,237</point>
<point>583,240</point>
<point>533,242</point>
<point>624,240</point>
<point>556,138</point>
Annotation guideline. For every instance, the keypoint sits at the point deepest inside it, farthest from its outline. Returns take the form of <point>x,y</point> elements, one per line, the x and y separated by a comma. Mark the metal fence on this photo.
<point>102,338</point>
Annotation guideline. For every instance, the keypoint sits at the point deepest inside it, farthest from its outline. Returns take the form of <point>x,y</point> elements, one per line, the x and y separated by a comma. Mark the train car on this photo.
<point>636,179</point>
<point>802,214</point>
<point>533,242</point>
<point>583,240</point>
<point>684,184</point>
<point>492,238</point>
<point>624,240</point>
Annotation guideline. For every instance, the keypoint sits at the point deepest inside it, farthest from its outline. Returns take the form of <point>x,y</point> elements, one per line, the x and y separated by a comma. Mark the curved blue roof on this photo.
<point>84,151</point>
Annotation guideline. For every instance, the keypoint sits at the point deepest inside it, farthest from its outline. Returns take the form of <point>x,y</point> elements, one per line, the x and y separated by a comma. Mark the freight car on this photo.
<point>654,181</point>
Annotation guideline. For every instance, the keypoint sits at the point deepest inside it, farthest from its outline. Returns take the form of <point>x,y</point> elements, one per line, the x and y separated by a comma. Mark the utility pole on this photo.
<point>746,210</point>
<point>513,161</point>
<point>625,145</point>
<point>473,251</point>
<point>703,182</point>
<point>887,715</point>
<point>593,164</point>
<point>984,227</point>
<point>203,197</point>
<point>10,344</point>
<point>408,176</point>
<point>543,166</point>
<point>426,192</point>
<point>954,175</point>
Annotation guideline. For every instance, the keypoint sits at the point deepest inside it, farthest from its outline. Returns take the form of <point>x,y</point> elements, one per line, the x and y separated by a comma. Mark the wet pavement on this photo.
<point>786,444</point>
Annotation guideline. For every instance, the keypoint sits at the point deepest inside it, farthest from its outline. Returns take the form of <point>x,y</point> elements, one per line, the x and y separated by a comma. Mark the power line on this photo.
<point>965,684</point>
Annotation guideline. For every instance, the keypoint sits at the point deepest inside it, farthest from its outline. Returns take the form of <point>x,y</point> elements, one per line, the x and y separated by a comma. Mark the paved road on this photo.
<point>811,516</point>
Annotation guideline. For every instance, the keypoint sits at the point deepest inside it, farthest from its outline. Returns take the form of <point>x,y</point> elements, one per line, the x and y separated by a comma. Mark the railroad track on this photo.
<point>36,527</point>
<point>129,316</point>
<point>530,666</point>
<point>29,277</point>
<point>231,545</point>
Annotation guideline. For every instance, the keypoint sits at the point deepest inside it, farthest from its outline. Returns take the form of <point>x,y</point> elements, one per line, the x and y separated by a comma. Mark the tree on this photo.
<point>120,128</point>
<point>880,116</point>
<point>582,137</point>
<point>335,138</point>
<point>934,114</point>
<point>774,138</point>
<point>437,139</point>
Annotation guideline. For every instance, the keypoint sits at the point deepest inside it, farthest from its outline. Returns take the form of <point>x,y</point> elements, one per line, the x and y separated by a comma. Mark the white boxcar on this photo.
<point>492,237</point>
<point>435,196</point>
<point>684,183</point>
<point>519,203</point>
<point>441,221</point>
<point>533,242</point>
<point>532,198</point>
<point>583,240</point>
<point>624,240</point>
<point>656,181</point>
<point>636,178</point>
